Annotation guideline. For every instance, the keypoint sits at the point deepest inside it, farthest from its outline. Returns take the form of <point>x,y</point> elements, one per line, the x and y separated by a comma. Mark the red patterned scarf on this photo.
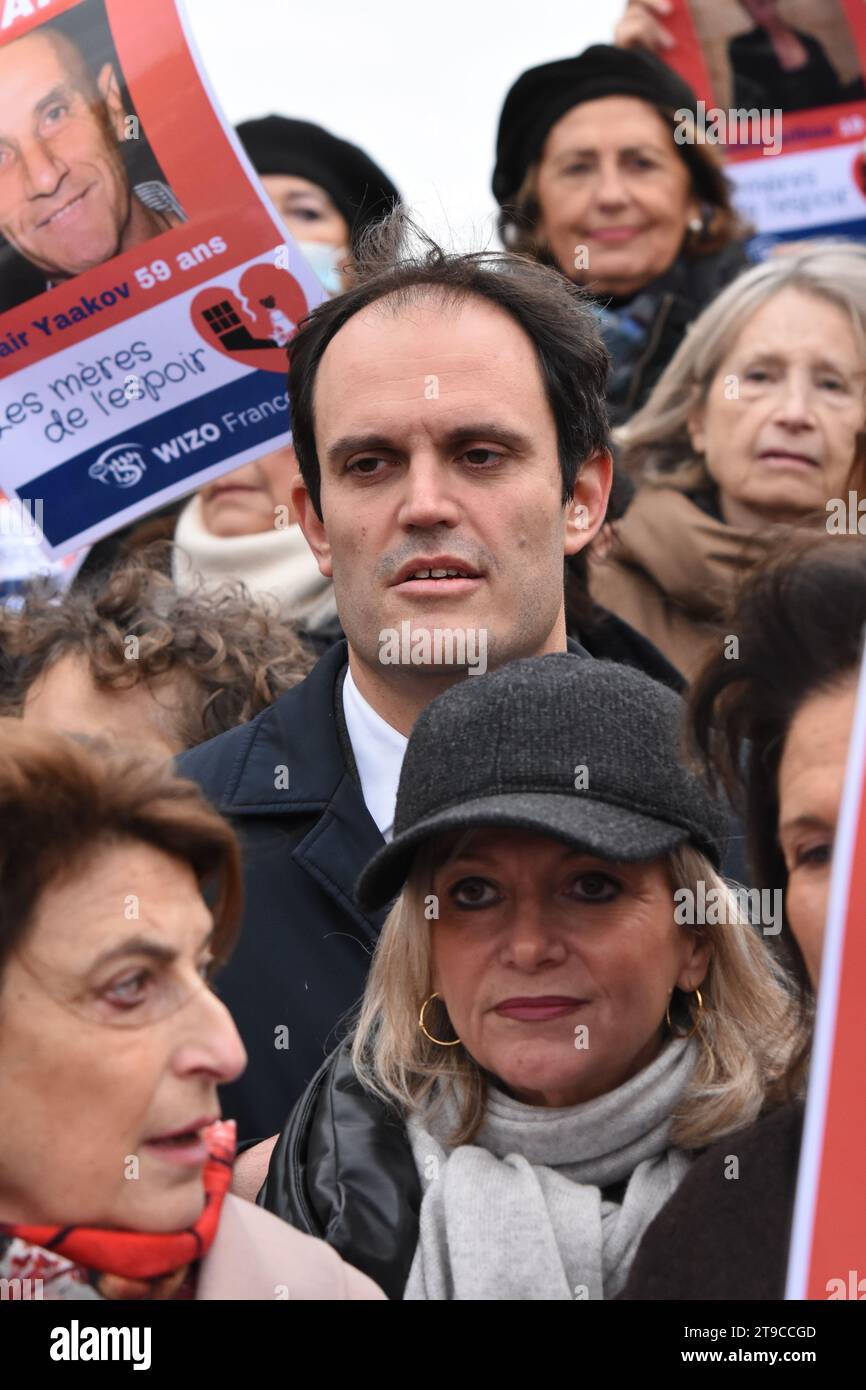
<point>130,1264</point>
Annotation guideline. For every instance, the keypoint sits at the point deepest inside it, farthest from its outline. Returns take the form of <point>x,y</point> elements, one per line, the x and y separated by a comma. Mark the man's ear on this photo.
<point>586,510</point>
<point>109,89</point>
<point>312,527</point>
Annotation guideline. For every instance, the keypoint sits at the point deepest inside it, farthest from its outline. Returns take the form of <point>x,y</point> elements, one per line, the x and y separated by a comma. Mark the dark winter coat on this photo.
<point>287,784</point>
<point>725,1232</point>
<point>342,1169</point>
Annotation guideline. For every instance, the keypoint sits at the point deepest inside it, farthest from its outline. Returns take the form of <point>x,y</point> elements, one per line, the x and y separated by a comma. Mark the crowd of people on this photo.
<point>357,811</point>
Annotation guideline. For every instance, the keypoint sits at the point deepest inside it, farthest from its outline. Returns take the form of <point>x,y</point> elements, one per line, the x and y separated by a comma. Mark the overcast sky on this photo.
<point>418,85</point>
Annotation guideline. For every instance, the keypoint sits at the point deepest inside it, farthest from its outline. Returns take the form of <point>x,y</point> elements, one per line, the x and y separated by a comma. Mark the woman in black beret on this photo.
<point>326,190</point>
<point>591,177</point>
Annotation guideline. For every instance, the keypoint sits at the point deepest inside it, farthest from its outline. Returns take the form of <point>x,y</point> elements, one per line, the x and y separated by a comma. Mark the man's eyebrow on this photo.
<point>61,92</point>
<point>481,429</point>
<point>144,946</point>
<point>356,444</point>
<point>489,429</point>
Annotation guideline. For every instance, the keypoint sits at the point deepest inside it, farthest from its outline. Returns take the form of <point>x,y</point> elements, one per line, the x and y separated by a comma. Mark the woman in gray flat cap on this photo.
<point>566,1000</point>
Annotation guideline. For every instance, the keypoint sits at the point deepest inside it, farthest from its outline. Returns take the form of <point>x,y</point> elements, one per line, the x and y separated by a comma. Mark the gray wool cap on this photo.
<point>586,751</point>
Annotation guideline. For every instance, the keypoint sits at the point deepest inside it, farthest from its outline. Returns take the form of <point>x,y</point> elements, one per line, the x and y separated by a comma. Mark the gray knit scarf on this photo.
<point>519,1213</point>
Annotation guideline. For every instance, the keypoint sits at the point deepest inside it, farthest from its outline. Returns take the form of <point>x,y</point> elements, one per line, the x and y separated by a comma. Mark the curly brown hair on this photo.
<point>227,655</point>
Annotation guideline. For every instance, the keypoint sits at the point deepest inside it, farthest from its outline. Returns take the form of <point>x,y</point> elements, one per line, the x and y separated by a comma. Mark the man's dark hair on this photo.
<point>552,312</point>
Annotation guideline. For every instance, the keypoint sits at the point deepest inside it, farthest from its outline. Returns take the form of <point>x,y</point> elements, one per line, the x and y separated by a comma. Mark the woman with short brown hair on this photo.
<point>114,1167</point>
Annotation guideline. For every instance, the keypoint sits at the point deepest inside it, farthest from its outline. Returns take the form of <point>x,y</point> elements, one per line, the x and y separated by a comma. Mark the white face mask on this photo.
<point>326,261</point>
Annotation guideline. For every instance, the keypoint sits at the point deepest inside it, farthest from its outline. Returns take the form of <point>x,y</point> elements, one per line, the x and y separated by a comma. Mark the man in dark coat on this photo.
<point>449,422</point>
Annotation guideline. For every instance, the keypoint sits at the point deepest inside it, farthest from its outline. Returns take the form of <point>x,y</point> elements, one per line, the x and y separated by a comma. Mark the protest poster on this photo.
<point>781,83</point>
<point>828,1245</point>
<point>147,287</point>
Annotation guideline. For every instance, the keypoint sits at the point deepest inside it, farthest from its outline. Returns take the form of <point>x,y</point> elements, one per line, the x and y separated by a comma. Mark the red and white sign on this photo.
<point>798,170</point>
<point>147,287</point>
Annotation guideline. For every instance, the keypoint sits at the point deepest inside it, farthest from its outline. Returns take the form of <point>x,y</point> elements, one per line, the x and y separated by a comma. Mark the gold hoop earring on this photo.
<point>697,1022</point>
<point>437,1041</point>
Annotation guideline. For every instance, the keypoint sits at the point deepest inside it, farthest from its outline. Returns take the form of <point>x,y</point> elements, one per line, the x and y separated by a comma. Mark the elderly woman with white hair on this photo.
<point>755,428</point>
<point>552,1025</point>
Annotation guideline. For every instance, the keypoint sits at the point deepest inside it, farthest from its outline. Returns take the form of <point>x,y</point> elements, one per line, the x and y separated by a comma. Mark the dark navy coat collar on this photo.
<point>299,733</point>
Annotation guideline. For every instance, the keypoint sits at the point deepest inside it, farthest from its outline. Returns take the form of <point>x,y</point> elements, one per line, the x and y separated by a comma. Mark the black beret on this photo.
<point>541,95</point>
<point>361,191</point>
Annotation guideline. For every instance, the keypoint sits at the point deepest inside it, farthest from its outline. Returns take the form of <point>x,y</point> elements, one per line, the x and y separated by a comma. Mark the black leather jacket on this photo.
<point>342,1170</point>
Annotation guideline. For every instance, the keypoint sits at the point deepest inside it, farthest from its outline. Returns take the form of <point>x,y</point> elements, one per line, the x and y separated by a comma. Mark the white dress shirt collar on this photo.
<point>378,750</point>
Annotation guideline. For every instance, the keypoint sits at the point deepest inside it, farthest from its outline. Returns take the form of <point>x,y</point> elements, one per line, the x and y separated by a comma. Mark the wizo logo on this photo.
<point>121,465</point>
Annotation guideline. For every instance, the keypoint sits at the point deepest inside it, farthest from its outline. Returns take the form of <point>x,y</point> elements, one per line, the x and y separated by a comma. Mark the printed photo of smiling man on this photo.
<point>78,183</point>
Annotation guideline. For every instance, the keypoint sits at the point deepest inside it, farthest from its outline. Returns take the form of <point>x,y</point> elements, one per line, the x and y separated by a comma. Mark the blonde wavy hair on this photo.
<point>655,447</point>
<point>750,1035</point>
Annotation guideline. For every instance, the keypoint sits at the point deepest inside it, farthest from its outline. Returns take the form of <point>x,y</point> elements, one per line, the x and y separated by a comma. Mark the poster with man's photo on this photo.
<point>781,82</point>
<point>147,287</point>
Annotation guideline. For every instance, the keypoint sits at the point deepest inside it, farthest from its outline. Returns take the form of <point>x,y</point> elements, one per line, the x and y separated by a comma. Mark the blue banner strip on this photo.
<point>148,457</point>
<point>762,243</point>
